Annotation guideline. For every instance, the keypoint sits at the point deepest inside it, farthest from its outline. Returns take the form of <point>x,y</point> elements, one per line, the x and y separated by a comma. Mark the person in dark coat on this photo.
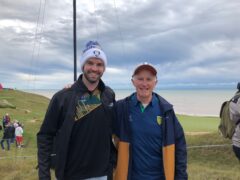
<point>6,120</point>
<point>6,136</point>
<point>79,121</point>
<point>12,133</point>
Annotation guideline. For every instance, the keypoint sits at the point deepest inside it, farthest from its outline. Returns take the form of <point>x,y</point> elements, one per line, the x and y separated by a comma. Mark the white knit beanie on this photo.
<point>92,50</point>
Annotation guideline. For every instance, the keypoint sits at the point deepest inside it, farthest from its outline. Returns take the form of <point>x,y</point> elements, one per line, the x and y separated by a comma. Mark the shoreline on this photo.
<point>178,105</point>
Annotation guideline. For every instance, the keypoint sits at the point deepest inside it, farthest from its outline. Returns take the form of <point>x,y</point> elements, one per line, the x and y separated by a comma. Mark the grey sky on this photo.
<point>193,44</point>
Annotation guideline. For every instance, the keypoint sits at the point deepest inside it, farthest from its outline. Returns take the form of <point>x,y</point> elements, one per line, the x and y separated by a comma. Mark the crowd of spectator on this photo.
<point>12,132</point>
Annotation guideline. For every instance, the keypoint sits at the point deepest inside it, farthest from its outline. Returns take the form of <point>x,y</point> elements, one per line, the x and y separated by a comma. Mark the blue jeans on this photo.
<point>8,143</point>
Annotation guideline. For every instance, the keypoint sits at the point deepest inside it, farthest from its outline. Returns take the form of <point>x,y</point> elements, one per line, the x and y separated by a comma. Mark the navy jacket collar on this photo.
<point>136,102</point>
<point>164,104</point>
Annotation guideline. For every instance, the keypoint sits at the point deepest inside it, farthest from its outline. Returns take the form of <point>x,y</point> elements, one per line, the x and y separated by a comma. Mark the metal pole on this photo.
<point>74,40</point>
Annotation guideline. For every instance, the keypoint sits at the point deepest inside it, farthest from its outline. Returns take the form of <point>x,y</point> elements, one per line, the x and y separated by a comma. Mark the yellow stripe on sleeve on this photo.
<point>121,172</point>
<point>169,161</point>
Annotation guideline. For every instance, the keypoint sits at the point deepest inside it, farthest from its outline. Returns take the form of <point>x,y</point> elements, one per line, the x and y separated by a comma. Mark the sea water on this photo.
<point>189,102</point>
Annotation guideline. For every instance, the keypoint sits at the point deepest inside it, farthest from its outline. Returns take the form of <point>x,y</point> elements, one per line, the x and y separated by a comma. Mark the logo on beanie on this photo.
<point>96,53</point>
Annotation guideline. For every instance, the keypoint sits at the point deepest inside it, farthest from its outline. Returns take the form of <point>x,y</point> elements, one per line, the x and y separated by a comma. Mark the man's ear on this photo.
<point>132,81</point>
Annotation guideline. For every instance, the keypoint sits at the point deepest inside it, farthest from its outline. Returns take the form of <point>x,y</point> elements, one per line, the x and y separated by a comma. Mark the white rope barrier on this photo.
<point>188,147</point>
<point>209,146</point>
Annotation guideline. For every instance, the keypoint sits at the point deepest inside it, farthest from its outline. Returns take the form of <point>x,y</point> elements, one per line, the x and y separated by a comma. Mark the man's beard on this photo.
<point>92,81</point>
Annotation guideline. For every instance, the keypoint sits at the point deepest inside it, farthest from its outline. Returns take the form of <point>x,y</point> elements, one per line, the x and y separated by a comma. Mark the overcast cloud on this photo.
<point>193,44</point>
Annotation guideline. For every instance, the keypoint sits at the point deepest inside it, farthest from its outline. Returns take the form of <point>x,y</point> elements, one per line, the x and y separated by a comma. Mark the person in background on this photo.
<point>12,132</point>
<point>6,136</point>
<point>19,134</point>
<point>234,109</point>
<point>79,120</point>
<point>150,140</point>
<point>6,120</point>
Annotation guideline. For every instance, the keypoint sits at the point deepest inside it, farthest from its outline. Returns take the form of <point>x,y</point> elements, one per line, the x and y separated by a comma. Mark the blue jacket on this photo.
<point>173,146</point>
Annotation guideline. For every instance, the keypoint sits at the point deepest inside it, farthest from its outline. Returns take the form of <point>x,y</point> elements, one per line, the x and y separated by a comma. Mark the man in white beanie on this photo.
<point>79,121</point>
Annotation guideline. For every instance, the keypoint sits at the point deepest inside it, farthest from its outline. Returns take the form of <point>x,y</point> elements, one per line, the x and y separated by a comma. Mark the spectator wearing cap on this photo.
<point>150,140</point>
<point>79,120</point>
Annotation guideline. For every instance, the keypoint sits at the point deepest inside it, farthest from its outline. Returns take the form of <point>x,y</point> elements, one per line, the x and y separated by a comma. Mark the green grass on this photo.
<point>30,111</point>
<point>213,163</point>
<point>199,124</point>
<point>5,97</point>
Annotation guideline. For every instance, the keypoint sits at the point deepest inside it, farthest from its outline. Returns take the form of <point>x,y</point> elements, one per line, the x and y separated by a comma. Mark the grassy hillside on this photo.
<point>30,110</point>
<point>204,163</point>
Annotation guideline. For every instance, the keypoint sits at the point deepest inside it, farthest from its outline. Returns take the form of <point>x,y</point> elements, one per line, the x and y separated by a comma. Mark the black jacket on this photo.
<point>58,123</point>
<point>7,134</point>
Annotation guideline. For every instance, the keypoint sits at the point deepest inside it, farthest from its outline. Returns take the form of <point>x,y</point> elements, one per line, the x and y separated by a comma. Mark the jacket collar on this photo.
<point>164,104</point>
<point>136,102</point>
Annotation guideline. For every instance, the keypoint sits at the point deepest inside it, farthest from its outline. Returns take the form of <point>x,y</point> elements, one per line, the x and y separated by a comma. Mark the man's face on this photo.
<point>144,83</point>
<point>93,70</point>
